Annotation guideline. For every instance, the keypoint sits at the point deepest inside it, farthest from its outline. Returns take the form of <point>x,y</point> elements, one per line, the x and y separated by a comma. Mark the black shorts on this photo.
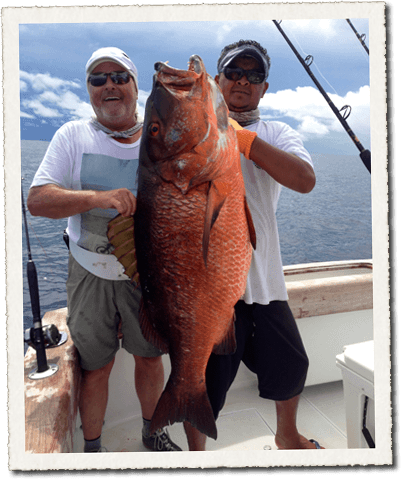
<point>269,343</point>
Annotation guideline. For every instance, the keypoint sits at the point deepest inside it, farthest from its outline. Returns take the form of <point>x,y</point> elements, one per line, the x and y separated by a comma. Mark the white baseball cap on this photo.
<point>112,54</point>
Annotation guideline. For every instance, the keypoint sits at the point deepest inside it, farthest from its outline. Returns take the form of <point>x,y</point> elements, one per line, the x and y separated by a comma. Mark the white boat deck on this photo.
<point>247,422</point>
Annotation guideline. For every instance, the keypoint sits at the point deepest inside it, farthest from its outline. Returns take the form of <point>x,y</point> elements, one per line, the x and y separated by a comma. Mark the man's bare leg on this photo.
<point>287,435</point>
<point>93,400</point>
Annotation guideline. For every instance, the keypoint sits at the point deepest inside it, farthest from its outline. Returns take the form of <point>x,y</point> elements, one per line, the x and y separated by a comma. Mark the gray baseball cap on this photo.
<point>244,51</point>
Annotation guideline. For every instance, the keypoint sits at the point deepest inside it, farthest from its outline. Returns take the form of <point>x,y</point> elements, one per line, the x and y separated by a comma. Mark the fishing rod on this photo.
<point>364,154</point>
<point>361,38</point>
<point>38,337</point>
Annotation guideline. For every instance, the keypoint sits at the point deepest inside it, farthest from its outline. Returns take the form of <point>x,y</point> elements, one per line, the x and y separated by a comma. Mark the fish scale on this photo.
<point>193,235</point>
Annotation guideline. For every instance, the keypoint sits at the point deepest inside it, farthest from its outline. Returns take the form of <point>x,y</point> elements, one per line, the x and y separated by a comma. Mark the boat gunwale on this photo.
<point>332,266</point>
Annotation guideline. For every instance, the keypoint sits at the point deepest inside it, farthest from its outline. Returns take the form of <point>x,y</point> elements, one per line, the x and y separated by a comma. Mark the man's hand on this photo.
<point>121,199</point>
<point>245,138</point>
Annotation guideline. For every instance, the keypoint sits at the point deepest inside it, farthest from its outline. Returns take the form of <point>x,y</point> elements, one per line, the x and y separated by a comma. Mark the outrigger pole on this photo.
<point>364,154</point>
<point>361,38</point>
<point>36,337</point>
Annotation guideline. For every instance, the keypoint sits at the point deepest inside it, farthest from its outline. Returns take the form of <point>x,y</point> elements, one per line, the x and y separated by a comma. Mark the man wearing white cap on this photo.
<point>88,174</point>
<point>268,341</point>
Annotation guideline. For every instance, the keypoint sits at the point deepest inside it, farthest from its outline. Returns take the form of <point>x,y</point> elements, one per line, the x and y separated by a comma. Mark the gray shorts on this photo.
<point>96,307</point>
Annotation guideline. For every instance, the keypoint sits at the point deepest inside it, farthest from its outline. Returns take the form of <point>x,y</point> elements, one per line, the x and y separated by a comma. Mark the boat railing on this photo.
<point>329,288</point>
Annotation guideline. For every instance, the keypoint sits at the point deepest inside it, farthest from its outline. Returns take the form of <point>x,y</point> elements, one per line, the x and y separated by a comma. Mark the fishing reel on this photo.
<point>52,337</point>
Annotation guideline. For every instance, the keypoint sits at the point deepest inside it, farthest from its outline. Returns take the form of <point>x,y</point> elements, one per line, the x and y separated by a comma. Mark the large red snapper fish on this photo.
<point>193,235</point>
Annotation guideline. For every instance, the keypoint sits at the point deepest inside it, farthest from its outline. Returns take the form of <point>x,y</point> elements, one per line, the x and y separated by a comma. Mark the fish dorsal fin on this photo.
<point>216,196</point>
<point>120,233</point>
<point>228,345</point>
<point>251,226</point>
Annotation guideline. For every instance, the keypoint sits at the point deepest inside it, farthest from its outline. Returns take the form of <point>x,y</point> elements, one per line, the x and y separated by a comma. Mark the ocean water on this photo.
<point>333,222</point>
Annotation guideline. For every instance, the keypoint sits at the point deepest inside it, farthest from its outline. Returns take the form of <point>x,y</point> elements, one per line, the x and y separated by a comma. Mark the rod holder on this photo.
<point>43,370</point>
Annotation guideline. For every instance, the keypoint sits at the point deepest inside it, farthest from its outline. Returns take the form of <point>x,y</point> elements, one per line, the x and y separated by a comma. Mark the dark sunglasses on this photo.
<point>99,79</point>
<point>237,73</point>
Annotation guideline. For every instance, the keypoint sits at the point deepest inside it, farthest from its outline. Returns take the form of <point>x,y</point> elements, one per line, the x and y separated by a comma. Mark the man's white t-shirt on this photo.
<point>82,158</point>
<point>266,277</point>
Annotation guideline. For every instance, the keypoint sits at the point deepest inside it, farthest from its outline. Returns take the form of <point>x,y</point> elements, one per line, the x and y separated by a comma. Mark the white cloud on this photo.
<point>26,115</point>
<point>69,103</point>
<point>311,126</point>
<point>44,81</point>
<point>52,98</point>
<point>295,102</point>
<point>41,110</point>
<point>312,114</point>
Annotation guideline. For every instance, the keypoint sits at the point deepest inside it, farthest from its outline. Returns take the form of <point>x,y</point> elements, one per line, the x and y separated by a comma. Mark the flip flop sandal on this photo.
<point>317,445</point>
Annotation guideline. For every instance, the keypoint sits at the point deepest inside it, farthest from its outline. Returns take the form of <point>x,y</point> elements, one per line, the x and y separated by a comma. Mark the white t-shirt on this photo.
<point>82,158</point>
<point>266,278</point>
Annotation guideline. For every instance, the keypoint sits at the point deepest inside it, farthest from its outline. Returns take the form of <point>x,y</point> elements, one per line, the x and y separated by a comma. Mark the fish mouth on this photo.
<point>177,78</point>
<point>195,64</point>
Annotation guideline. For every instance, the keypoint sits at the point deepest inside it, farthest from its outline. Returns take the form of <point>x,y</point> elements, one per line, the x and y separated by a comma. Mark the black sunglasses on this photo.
<point>99,79</point>
<point>237,73</point>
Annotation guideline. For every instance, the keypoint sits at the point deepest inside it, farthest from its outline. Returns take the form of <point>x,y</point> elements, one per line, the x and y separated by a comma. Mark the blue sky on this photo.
<point>53,58</point>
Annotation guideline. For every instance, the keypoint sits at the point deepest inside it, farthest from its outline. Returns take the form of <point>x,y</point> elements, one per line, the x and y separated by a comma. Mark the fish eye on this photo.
<point>154,129</point>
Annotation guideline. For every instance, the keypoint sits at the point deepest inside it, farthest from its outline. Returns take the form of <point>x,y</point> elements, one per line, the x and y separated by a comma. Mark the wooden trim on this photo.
<point>327,296</point>
<point>51,404</point>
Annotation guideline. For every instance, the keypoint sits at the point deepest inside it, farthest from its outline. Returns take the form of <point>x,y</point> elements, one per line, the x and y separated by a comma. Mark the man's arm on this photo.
<point>53,201</point>
<point>286,168</point>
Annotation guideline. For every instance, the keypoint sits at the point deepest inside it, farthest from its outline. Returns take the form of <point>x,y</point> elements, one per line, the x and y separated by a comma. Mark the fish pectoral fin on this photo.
<point>251,226</point>
<point>228,345</point>
<point>149,331</point>
<point>216,196</point>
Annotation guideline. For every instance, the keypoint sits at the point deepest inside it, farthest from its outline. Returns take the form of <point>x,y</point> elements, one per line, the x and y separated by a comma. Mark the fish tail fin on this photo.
<point>192,407</point>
